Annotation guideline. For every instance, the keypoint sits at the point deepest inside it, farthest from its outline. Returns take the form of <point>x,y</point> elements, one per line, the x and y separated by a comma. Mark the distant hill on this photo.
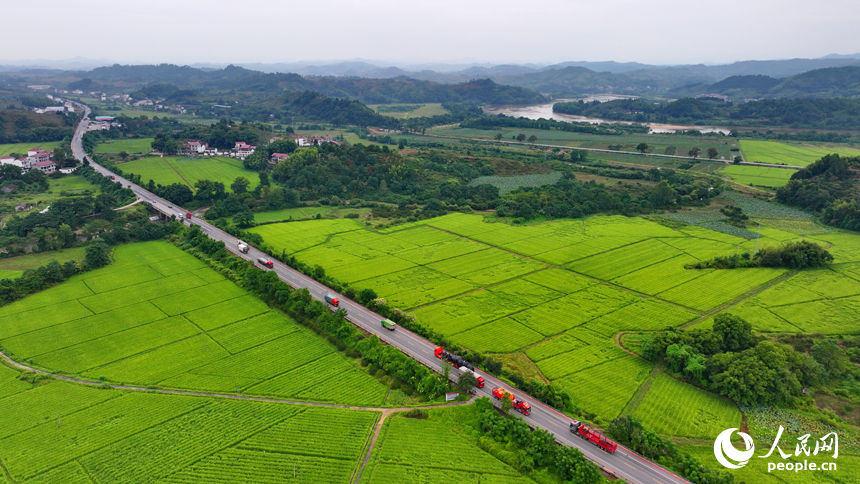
<point>399,89</point>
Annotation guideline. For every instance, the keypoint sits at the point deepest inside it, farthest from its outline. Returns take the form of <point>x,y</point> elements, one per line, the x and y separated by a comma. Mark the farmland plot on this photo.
<point>645,315</point>
<point>610,265</point>
<point>405,443</point>
<point>698,293</point>
<point>502,336</point>
<point>674,408</point>
<point>467,311</point>
<point>486,267</point>
<point>416,287</point>
<point>606,388</point>
<point>766,176</point>
<point>596,350</point>
<point>838,316</point>
<point>662,276</point>
<point>561,314</point>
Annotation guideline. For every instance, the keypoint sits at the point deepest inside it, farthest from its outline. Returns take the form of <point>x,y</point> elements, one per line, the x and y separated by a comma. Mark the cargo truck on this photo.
<point>590,435</point>
<point>478,377</point>
<point>188,215</point>
<point>243,247</point>
<point>265,262</point>
<point>389,324</point>
<point>332,300</point>
<point>521,406</point>
<point>456,360</point>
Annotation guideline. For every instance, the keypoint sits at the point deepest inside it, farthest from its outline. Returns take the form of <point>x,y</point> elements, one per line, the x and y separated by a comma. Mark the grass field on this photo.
<point>130,145</point>
<point>22,148</point>
<point>307,213</point>
<point>789,154</point>
<point>758,175</point>
<point>62,432</point>
<point>67,186</point>
<point>158,316</point>
<point>15,266</point>
<point>171,169</point>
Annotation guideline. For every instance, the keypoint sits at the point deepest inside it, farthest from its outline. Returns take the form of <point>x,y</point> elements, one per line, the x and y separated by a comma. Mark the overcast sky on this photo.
<point>417,31</point>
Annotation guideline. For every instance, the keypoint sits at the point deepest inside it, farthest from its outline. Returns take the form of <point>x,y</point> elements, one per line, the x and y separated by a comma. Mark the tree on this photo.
<point>735,332</point>
<point>244,219</point>
<point>240,185</point>
<point>670,150</point>
<point>507,402</point>
<point>498,136</point>
<point>642,147</point>
<point>97,254</point>
<point>713,153</point>
<point>662,195</point>
<point>366,295</point>
<point>281,146</point>
<point>466,381</point>
<point>695,152</point>
<point>738,160</point>
<point>521,137</point>
<point>123,155</point>
<point>532,138</point>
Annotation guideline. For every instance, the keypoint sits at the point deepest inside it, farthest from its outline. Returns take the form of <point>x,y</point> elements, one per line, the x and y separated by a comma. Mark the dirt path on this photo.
<point>230,396</point>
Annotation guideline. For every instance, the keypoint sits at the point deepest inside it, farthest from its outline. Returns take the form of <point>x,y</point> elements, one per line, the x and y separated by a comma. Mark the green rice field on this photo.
<point>188,171</point>
<point>129,145</point>
<point>23,148</point>
<point>63,432</point>
<point>758,175</point>
<point>423,110</point>
<point>556,293</point>
<point>158,316</point>
<point>788,154</point>
<point>435,449</point>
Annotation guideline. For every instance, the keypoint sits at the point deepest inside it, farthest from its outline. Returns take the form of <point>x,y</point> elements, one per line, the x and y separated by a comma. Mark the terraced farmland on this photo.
<point>158,316</point>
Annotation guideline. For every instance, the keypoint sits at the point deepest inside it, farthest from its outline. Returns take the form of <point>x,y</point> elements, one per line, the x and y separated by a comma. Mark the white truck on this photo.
<point>243,247</point>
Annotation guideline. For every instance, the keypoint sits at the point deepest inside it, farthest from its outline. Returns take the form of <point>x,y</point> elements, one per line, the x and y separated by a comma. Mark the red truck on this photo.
<point>588,434</point>
<point>331,299</point>
<point>521,406</point>
<point>188,215</point>
<point>265,262</point>
<point>459,362</point>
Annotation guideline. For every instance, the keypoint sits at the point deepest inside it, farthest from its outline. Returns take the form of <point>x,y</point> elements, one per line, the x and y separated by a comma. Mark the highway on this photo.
<point>623,463</point>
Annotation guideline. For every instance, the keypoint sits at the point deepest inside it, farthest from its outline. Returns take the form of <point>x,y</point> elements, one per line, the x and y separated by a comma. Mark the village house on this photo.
<point>37,155</point>
<point>193,148</point>
<point>23,207</point>
<point>278,157</point>
<point>242,149</point>
<point>302,142</point>
<point>274,138</point>
<point>46,167</point>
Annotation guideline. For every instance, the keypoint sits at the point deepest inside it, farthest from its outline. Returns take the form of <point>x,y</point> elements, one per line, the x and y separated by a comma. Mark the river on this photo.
<point>537,111</point>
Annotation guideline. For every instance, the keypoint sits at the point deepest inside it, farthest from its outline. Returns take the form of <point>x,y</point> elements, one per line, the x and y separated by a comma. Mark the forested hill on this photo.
<point>371,91</point>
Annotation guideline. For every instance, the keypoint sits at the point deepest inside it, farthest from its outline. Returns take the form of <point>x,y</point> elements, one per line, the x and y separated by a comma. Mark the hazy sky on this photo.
<point>497,31</point>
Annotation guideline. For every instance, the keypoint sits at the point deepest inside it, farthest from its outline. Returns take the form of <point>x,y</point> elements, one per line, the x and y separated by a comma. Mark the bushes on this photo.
<point>533,448</point>
<point>793,255</point>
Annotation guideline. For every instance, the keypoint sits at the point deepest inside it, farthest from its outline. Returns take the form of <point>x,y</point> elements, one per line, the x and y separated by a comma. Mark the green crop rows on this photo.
<point>63,432</point>
<point>786,154</point>
<point>606,388</point>
<point>129,145</point>
<point>766,176</point>
<point>188,171</point>
<point>158,316</point>
<point>674,408</point>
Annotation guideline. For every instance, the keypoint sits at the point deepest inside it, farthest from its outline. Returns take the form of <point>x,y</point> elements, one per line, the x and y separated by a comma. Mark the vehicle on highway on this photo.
<point>588,434</point>
<point>112,177</point>
<point>188,215</point>
<point>478,377</point>
<point>243,247</point>
<point>265,262</point>
<point>329,298</point>
<point>457,360</point>
<point>521,406</point>
<point>389,324</point>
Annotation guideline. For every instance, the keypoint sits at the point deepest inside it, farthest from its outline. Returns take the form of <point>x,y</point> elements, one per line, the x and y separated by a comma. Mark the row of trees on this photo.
<point>502,121</point>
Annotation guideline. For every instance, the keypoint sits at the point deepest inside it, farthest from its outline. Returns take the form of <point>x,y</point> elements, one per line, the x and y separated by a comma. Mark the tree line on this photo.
<point>827,187</point>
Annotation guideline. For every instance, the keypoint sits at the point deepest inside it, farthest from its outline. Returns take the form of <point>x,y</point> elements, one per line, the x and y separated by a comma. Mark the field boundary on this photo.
<point>640,393</point>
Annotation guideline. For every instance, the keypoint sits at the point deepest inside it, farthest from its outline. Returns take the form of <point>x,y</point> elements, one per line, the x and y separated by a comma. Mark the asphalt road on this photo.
<point>623,463</point>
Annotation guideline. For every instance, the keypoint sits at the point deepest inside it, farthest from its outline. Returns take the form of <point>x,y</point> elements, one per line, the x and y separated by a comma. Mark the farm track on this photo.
<point>19,366</point>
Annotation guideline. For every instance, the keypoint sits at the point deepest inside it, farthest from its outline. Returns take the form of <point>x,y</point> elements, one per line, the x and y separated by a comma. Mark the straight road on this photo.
<point>623,463</point>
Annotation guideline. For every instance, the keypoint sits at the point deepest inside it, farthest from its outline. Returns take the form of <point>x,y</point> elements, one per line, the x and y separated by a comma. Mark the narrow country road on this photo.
<point>624,463</point>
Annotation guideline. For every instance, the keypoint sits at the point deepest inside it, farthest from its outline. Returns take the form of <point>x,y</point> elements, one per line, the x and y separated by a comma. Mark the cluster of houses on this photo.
<point>36,158</point>
<point>241,150</point>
